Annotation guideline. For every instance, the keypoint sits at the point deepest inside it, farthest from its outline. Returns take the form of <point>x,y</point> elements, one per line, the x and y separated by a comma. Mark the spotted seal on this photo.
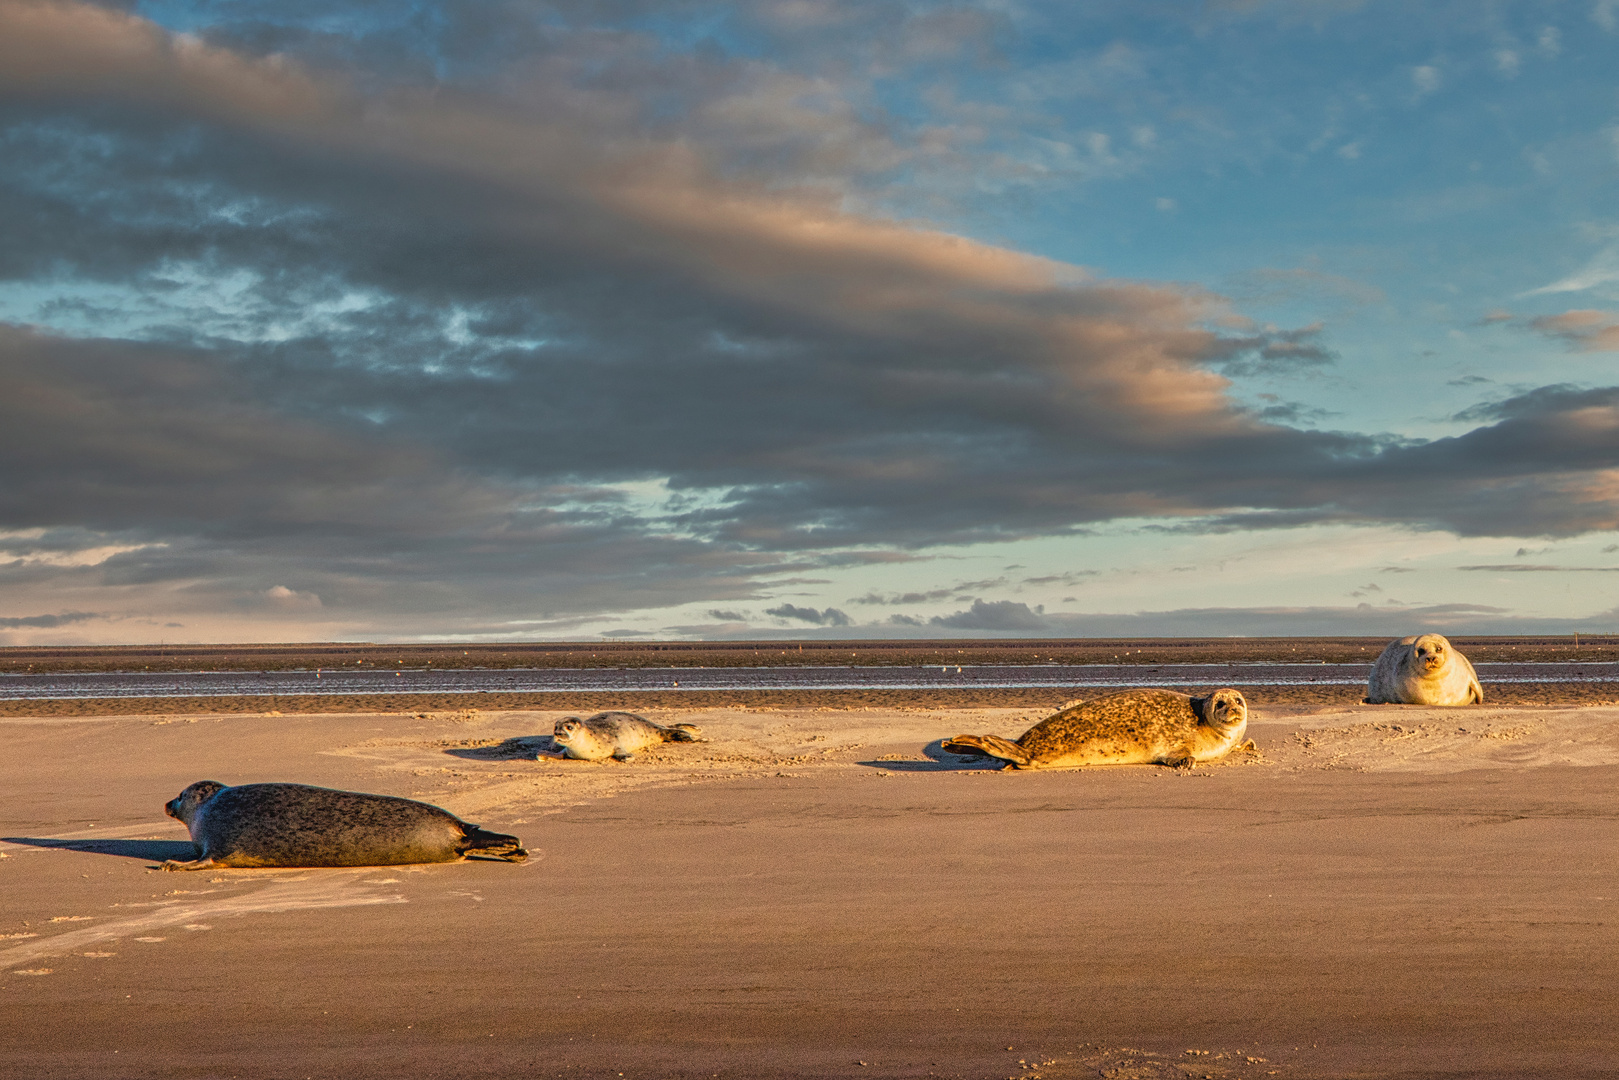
<point>299,825</point>
<point>1127,728</point>
<point>617,735</point>
<point>1424,669</point>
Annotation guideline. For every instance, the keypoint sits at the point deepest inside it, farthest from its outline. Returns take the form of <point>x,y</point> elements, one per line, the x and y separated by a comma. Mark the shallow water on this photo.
<point>341,682</point>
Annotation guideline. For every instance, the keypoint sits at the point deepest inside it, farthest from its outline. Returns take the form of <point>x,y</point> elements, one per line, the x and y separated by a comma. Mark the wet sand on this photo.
<point>1380,891</point>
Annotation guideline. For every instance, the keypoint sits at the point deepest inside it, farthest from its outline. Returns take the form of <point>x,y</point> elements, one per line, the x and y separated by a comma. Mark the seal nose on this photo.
<point>168,808</point>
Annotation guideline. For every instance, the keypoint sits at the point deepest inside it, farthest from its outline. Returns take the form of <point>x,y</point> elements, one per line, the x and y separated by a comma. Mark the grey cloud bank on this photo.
<point>505,354</point>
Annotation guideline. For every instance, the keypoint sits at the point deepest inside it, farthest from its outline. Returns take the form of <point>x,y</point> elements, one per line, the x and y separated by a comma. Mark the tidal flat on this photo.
<point>1374,891</point>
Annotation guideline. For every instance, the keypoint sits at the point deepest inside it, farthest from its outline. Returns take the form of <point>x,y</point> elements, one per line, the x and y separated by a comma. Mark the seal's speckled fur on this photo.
<point>1424,669</point>
<point>617,735</point>
<point>1128,728</point>
<point>300,825</point>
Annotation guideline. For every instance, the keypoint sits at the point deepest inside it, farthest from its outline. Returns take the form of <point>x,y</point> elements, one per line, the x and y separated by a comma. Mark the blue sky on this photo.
<point>808,317</point>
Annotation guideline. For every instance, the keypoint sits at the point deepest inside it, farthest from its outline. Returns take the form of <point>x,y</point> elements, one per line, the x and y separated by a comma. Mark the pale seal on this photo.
<point>1423,669</point>
<point>1132,727</point>
<point>299,825</point>
<point>617,735</point>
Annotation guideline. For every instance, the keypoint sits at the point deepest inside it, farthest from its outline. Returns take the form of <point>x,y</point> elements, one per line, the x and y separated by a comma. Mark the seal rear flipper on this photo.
<point>483,844</point>
<point>989,746</point>
<point>683,733</point>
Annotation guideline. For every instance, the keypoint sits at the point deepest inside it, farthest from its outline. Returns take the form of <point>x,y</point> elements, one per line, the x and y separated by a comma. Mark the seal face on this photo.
<point>1128,728</point>
<point>1424,669</point>
<point>619,735</point>
<point>300,825</point>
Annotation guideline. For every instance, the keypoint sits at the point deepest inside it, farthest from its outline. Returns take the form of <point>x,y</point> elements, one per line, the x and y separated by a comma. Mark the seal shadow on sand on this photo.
<point>939,760</point>
<point>521,747</point>
<point>148,850</point>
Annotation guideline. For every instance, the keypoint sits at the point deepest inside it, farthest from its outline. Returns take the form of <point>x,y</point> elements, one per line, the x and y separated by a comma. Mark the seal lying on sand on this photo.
<point>1423,670</point>
<point>617,735</point>
<point>299,825</point>
<point>1128,728</point>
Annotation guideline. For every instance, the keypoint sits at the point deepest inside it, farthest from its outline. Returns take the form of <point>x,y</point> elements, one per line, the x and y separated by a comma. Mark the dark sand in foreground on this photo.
<point>1381,892</point>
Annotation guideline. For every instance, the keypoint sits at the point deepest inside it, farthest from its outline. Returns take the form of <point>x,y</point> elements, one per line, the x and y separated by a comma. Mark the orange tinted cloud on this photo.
<point>1584,330</point>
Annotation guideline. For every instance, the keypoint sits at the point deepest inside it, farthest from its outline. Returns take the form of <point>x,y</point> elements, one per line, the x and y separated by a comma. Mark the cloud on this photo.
<point>1603,269</point>
<point>726,616</point>
<point>1425,79</point>
<point>1584,331</point>
<point>1277,352</point>
<point>997,615</point>
<point>931,595</point>
<point>282,597</point>
<point>47,622</point>
<point>905,598</point>
<point>1387,620</point>
<point>1070,577</point>
<point>830,617</point>
<point>560,325</point>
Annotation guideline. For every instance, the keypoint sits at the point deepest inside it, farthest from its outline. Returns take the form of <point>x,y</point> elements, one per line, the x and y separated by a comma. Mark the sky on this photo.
<point>498,320</point>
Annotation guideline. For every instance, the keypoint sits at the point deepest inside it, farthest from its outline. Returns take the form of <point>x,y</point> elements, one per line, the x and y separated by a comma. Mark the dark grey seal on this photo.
<point>299,825</point>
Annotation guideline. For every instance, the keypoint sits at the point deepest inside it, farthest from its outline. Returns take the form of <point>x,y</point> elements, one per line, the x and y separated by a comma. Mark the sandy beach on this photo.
<point>1377,891</point>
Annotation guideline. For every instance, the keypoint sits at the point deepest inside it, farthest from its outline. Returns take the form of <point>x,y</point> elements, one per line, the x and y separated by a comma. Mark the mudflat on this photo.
<point>1374,891</point>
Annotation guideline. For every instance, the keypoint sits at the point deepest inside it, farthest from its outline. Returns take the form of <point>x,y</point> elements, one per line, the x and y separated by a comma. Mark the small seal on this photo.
<point>617,735</point>
<point>299,825</point>
<point>1128,728</point>
<point>1424,669</point>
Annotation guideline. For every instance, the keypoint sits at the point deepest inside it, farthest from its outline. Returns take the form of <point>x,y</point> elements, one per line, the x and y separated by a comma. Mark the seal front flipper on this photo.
<point>204,863</point>
<point>480,843</point>
<point>988,745</point>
